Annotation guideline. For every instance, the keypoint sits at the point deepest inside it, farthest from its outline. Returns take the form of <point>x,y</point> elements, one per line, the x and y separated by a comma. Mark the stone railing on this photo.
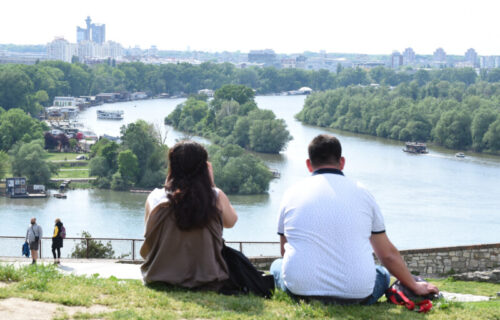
<point>451,260</point>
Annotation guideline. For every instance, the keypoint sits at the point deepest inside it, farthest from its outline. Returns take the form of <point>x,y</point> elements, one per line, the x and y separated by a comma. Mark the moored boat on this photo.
<point>110,115</point>
<point>415,147</point>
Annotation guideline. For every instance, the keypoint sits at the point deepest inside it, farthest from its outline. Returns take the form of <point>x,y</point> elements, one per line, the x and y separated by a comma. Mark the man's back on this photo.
<point>327,220</point>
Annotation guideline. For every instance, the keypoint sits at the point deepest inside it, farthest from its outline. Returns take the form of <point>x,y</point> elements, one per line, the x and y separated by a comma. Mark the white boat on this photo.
<point>110,115</point>
<point>460,155</point>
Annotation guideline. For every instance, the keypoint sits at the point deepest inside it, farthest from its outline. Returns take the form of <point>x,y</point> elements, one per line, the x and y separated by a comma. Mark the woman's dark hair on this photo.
<point>189,186</point>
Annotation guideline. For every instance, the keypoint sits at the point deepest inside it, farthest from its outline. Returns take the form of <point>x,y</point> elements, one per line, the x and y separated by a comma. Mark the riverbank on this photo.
<point>44,292</point>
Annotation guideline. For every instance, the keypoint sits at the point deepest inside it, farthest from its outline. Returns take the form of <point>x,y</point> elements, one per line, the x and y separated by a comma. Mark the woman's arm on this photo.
<point>229,216</point>
<point>56,230</point>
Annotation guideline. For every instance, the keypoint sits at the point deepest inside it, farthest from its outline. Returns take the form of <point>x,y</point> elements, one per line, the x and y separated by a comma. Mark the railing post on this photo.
<point>133,249</point>
<point>241,247</point>
<point>87,246</point>
<point>40,249</point>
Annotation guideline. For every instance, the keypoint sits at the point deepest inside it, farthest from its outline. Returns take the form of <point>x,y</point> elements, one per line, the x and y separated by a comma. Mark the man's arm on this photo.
<point>389,256</point>
<point>282,244</point>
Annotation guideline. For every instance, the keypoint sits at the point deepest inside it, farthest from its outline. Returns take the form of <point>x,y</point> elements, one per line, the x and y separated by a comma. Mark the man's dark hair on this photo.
<point>324,150</point>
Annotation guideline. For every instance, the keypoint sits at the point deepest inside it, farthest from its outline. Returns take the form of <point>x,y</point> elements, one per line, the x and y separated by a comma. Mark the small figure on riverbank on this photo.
<point>184,223</point>
<point>329,226</point>
<point>57,240</point>
<point>33,237</point>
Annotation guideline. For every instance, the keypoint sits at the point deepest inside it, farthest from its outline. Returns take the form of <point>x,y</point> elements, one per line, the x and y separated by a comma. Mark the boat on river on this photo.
<point>110,115</point>
<point>415,147</point>
<point>460,155</point>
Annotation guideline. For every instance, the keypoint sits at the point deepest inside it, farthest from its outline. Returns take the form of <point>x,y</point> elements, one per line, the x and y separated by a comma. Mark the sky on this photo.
<point>291,26</point>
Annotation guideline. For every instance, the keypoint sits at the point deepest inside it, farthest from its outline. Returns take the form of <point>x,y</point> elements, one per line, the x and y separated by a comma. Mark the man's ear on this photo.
<point>309,165</point>
<point>342,163</point>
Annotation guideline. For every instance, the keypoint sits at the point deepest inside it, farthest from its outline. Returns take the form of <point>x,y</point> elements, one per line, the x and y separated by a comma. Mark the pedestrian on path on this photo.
<point>57,241</point>
<point>33,236</point>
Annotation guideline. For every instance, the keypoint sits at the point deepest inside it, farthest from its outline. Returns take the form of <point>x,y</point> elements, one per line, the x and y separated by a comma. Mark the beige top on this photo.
<point>185,258</point>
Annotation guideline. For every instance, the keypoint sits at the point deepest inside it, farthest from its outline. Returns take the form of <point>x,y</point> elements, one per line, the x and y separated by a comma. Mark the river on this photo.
<point>427,200</point>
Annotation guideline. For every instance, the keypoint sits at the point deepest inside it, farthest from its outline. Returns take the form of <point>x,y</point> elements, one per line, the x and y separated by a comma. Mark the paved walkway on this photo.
<point>104,268</point>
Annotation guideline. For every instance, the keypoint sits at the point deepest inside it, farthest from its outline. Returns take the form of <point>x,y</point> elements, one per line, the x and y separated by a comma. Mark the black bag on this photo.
<point>37,238</point>
<point>244,277</point>
<point>400,294</point>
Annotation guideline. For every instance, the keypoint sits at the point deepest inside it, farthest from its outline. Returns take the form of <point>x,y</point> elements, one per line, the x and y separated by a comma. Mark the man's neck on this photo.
<point>331,170</point>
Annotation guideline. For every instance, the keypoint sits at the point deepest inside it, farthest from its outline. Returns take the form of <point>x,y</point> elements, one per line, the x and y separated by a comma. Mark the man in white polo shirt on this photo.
<point>329,226</point>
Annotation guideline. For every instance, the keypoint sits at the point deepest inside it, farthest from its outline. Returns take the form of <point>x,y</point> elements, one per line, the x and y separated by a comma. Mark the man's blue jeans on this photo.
<point>382,281</point>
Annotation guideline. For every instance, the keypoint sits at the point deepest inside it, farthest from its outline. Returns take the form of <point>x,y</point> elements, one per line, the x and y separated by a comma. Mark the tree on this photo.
<point>119,183</point>
<point>128,166</point>
<point>237,172</point>
<point>4,164</point>
<point>15,86</point>
<point>453,130</point>
<point>99,167</point>
<point>50,141</point>
<point>268,136</point>
<point>481,121</point>
<point>492,136</point>
<point>16,125</point>
<point>236,92</point>
<point>140,138</point>
<point>28,159</point>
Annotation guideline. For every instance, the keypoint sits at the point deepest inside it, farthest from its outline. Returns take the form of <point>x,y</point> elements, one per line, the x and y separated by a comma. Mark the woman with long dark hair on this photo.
<point>184,223</point>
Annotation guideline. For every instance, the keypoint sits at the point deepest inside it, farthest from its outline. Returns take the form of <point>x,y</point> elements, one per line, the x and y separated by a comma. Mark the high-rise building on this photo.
<point>439,55</point>
<point>61,49</point>
<point>408,57</point>
<point>94,32</point>
<point>396,60</point>
<point>98,33</point>
<point>471,57</point>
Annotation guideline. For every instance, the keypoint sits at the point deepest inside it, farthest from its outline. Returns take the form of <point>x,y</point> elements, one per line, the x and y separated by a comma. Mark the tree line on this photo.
<point>30,87</point>
<point>452,114</point>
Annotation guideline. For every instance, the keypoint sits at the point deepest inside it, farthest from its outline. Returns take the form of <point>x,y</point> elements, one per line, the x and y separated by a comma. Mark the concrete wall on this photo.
<point>436,261</point>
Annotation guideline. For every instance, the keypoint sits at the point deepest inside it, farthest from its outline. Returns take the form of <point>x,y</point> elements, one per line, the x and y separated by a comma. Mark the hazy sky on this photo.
<point>361,26</point>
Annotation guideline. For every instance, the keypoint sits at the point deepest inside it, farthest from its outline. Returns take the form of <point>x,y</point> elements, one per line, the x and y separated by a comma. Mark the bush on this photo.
<point>118,183</point>
<point>92,249</point>
<point>103,183</point>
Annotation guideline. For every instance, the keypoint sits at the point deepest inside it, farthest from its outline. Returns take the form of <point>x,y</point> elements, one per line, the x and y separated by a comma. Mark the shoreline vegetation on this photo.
<point>455,108</point>
<point>447,114</point>
<point>130,299</point>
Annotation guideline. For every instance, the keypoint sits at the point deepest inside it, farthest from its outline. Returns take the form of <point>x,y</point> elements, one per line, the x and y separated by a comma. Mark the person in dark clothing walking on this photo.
<point>57,241</point>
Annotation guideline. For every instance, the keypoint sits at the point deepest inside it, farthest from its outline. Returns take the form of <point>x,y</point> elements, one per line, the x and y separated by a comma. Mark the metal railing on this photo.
<point>123,248</point>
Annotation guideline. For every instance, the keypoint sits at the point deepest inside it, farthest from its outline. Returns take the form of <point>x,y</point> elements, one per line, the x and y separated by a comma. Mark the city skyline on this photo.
<point>285,26</point>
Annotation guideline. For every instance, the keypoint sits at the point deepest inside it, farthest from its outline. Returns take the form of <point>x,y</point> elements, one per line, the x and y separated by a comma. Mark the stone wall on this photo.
<point>436,261</point>
<point>450,260</point>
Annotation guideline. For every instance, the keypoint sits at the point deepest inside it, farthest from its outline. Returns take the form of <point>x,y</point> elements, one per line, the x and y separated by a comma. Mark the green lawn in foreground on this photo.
<point>131,300</point>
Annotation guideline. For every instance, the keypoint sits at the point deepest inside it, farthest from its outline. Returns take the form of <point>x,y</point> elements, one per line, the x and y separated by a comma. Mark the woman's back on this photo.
<point>183,239</point>
<point>190,258</point>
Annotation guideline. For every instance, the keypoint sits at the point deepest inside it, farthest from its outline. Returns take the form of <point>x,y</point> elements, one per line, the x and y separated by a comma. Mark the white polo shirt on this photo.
<point>328,220</point>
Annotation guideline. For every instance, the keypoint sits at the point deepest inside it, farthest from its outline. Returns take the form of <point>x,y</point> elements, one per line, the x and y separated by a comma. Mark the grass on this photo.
<point>58,156</point>
<point>69,173</point>
<point>131,300</point>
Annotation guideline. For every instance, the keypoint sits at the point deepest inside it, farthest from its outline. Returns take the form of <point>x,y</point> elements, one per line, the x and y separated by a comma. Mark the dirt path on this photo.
<point>23,309</point>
